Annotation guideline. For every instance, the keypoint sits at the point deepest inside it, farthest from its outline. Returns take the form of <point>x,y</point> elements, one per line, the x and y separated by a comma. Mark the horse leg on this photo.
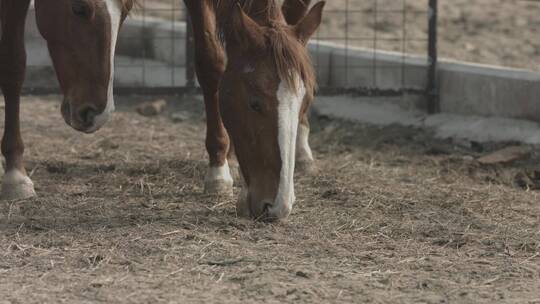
<point>16,183</point>
<point>210,64</point>
<point>304,156</point>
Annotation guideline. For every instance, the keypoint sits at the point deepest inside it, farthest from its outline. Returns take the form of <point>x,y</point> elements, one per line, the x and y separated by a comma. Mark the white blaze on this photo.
<point>115,13</point>
<point>290,103</point>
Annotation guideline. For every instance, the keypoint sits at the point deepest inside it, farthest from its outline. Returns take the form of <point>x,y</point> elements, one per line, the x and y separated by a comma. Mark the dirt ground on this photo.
<point>498,32</point>
<point>392,216</point>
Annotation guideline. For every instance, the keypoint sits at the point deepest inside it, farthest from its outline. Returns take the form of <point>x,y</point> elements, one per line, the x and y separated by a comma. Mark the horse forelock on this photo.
<point>261,11</point>
<point>252,7</point>
<point>292,58</point>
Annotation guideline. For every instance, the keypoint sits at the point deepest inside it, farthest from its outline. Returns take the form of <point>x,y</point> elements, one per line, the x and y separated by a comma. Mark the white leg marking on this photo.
<point>304,150</point>
<point>290,102</point>
<point>219,180</point>
<point>16,185</point>
<point>219,173</point>
<point>115,13</point>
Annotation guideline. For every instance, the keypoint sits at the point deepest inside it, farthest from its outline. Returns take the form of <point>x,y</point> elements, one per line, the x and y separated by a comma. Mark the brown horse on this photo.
<point>81,37</point>
<point>257,97</point>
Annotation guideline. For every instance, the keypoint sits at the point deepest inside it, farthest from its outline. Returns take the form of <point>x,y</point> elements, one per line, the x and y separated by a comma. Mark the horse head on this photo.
<point>268,83</point>
<point>81,36</point>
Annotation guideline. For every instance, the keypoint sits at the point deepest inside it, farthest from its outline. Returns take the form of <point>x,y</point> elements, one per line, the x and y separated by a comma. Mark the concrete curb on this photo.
<point>444,125</point>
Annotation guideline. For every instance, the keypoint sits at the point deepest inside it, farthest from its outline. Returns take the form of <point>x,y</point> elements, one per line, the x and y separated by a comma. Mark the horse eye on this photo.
<point>81,9</point>
<point>255,104</point>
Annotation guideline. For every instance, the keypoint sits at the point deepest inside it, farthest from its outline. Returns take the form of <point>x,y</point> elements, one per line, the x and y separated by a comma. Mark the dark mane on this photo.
<point>290,56</point>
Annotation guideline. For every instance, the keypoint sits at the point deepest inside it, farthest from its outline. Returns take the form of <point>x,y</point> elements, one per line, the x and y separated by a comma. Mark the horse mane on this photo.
<point>291,57</point>
<point>261,10</point>
<point>252,7</point>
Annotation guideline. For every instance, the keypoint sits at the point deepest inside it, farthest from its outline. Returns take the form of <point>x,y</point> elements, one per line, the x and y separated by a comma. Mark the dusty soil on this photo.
<point>392,216</point>
<point>498,32</point>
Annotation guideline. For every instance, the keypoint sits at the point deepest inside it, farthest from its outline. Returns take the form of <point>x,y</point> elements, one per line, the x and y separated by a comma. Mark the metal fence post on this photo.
<point>190,54</point>
<point>432,89</point>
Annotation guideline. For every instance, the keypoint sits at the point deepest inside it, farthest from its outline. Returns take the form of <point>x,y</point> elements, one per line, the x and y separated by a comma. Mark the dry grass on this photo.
<point>393,216</point>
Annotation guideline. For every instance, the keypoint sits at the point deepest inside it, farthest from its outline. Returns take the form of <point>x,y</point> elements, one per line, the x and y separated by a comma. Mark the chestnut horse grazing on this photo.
<point>258,98</point>
<point>81,37</point>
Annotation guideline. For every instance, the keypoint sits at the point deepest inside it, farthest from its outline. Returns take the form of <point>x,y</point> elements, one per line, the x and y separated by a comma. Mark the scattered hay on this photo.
<point>121,217</point>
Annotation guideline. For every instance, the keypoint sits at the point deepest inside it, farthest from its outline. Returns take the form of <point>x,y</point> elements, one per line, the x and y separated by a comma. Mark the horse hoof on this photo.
<point>219,187</point>
<point>306,166</point>
<point>17,186</point>
<point>219,180</point>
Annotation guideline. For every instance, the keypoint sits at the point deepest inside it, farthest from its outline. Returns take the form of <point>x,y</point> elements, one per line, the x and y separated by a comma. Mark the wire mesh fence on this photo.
<point>371,47</point>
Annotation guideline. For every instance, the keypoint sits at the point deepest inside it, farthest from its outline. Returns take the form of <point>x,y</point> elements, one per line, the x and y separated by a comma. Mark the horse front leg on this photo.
<point>210,65</point>
<point>16,184</point>
<point>304,155</point>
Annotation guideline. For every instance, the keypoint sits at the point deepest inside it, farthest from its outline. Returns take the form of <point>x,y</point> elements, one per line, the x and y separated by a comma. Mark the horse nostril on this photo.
<point>87,115</point>
<point>266,207</point>
<point>266,216</point>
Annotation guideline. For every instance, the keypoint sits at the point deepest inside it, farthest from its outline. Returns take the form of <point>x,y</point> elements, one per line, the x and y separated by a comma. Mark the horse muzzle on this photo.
<point>85,118</point>
<point>266,210</point>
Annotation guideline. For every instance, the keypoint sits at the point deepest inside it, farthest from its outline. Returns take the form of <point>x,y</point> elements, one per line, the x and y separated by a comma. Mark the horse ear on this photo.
<point>247,32</point>
<point>294,10</point>
<point>310,23</point>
